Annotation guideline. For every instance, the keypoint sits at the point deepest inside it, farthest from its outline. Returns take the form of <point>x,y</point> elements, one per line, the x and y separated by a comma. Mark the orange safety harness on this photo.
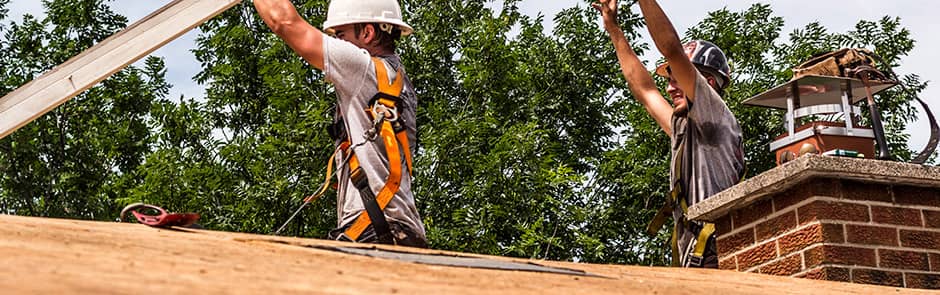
<point>388,125</point>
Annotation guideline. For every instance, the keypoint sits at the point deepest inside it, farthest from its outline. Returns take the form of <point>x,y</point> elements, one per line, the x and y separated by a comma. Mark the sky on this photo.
<point>919,16</point>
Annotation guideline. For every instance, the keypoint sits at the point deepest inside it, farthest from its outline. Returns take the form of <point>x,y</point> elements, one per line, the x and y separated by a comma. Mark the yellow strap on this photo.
<point>683,205</point>
<point>674,242</point>
<point>391,184</point>
<point>403,139</point>
<point>326,182</point>
<point>658,220</point>
<point>707,230</point>
<point>664,213</point>
<point>353,163</point>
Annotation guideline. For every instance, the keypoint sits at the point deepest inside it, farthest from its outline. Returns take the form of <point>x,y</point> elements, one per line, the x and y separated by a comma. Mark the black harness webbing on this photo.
<point>379,224</point>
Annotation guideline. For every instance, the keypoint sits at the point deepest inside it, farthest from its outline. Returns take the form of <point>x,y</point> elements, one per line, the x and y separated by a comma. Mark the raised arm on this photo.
<point>282,17</point>
<point>638,79</point>
<point>667,41</point>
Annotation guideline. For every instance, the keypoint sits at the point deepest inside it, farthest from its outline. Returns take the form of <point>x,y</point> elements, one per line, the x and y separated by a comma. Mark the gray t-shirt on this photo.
<point>352,72</point>
<point>707,151</point>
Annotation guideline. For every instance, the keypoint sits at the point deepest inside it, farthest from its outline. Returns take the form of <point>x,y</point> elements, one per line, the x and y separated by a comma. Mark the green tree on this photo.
<point>4,59</point>
<point>76,160</point>
<point>511,126</point>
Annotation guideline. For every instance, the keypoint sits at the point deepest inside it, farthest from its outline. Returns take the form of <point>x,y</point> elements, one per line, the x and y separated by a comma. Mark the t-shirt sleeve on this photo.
<point>708,106</point>
<point>344,64</point>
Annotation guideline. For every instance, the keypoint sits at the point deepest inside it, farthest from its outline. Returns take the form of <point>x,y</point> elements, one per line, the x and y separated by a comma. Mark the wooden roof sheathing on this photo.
<point>55,256</point>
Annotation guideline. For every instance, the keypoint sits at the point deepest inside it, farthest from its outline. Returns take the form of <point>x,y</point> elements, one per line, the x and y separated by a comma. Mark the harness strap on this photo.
<point>406,147</point>
<point>391,184</point>
<point>392,88</point>
<point>389,96</point>
<point>659,219</point>
<point>386,97</point>
<point>698,255</point>
<point>379,223</point>
<point>674,244</point>
<point>326,182</point>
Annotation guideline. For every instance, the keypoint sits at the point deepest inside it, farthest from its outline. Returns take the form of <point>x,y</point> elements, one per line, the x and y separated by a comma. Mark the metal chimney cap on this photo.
<point>816,90</point>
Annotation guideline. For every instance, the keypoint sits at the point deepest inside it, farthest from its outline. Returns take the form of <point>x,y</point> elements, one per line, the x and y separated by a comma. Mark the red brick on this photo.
<point>920,239</point>
<point>909,195</point>
<point>723,225</point>
<point>819,187</point>
<point>728,264</point>
<point>809,236</point>
<point>776,226</point>
<point>829,210</point>
<point>732,243</point>
<point>877,277</point>
<point>896,216</point>
<point>903,260</point>
<point>932,219</point>
<point>784,267</point>
<point>824,187</point>
<point>922,281</point>
<point>871,235</point>
<point>828,273</point>
<point>843,255</point>
<point>757,256</point>
<point>935,262</point>
<point>745,216</point>
<point>785,200</point>
<point>855,190</point>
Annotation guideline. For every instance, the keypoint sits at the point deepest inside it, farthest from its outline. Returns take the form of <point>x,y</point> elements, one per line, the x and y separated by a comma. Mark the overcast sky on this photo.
<point>919,16</point>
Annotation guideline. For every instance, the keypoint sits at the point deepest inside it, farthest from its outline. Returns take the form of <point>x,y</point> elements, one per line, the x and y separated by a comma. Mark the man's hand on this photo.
<point>638,78</point>
<point>608,10</point>
<point>282,18</point>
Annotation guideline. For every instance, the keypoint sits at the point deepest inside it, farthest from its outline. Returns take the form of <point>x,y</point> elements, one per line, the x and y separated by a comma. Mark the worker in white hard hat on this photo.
<point>374,126</point>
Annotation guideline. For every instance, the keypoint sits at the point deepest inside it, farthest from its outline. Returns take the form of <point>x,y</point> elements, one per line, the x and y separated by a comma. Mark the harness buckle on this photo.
<point>389,113</point>
<point>694,261</point>
<point>380,113</point>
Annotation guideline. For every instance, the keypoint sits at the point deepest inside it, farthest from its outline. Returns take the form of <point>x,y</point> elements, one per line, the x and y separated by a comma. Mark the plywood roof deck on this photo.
<point>55,256</point>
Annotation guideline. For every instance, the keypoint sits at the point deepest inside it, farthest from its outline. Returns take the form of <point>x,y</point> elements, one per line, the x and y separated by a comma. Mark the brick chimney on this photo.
<point>829,218</point>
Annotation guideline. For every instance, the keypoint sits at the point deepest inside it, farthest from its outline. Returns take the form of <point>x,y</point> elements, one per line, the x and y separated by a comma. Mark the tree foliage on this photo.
<point>79,158</point>
<point>529,143</point>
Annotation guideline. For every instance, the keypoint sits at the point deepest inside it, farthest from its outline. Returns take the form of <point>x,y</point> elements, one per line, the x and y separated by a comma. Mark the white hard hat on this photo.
<point>344,12</point>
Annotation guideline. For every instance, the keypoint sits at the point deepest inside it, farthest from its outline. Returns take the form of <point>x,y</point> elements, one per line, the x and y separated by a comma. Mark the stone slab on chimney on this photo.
<point>831,218</point>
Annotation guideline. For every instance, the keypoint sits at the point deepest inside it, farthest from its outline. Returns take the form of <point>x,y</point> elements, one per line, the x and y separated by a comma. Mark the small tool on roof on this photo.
<point>157,217</point>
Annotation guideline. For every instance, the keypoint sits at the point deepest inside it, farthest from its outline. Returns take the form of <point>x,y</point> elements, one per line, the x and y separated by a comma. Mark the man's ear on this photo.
<point>368,33</point>
<point>712,81</point>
